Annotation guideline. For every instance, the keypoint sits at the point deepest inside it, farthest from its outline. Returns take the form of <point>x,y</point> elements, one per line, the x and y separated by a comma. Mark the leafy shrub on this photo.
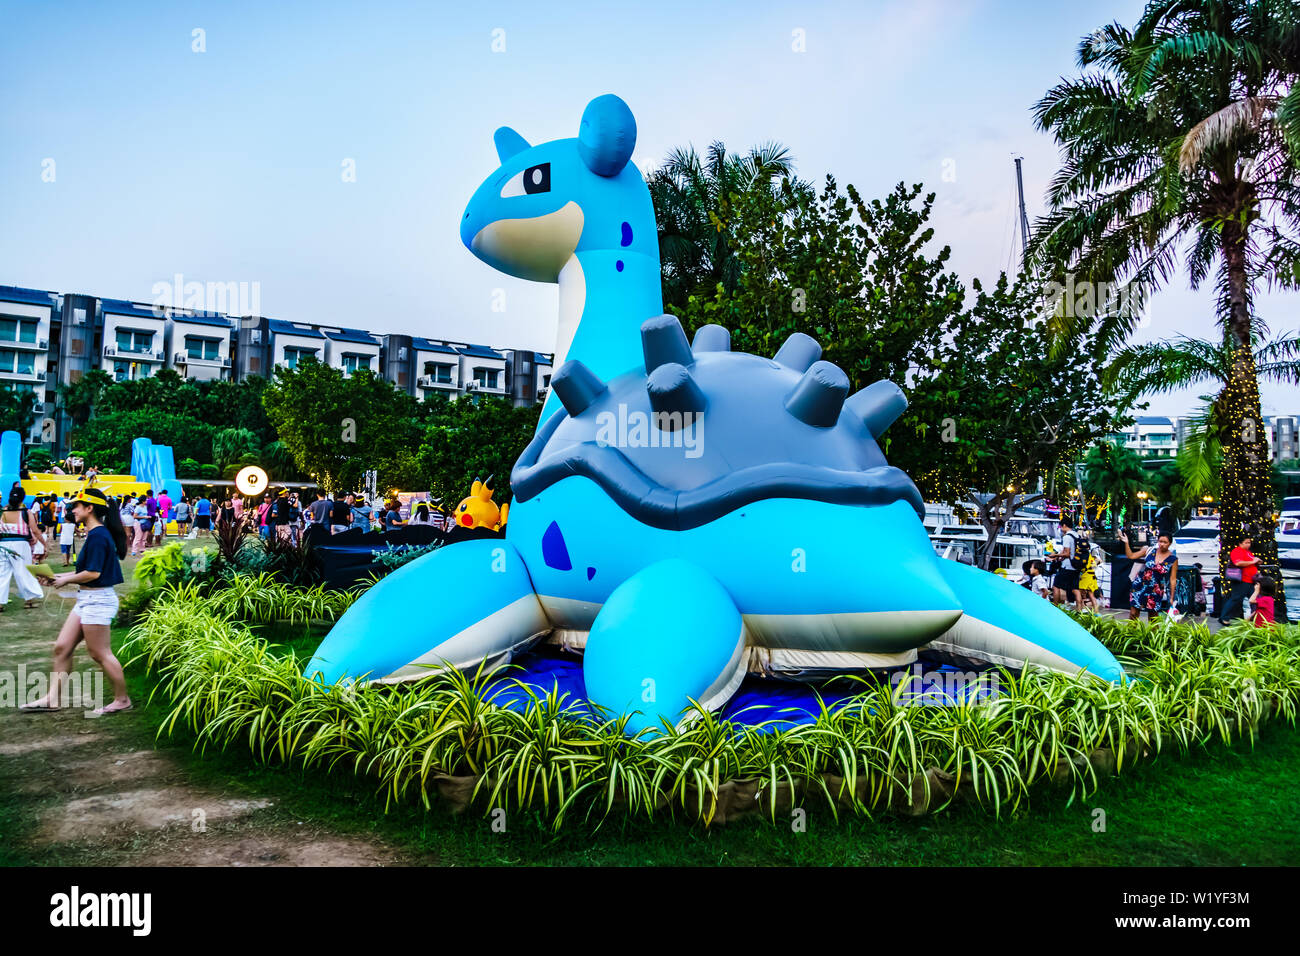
<point>231,537</point>
<point>291,563</point>
<point>160,565</point>
<point>394,557</point>
<point>877,752</point>
<point>38,459</point>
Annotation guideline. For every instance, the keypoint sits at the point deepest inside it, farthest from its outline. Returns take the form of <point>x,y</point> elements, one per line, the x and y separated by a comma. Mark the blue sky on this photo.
<point>226,165</point>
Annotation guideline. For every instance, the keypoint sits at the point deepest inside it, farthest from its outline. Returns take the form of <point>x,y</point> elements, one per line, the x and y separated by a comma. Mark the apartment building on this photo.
<point>26,318</point>
<point>1150,436</point>
<point>49,339</point>
<point>1284,436</point>
<point>1281,435</point>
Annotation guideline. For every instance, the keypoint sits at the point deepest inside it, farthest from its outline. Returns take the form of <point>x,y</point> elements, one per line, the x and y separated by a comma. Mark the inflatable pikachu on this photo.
<point>479,510</point>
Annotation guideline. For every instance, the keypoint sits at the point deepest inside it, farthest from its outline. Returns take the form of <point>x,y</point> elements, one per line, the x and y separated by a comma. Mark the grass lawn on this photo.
<point>1226,806</point>
<point>62,777</point>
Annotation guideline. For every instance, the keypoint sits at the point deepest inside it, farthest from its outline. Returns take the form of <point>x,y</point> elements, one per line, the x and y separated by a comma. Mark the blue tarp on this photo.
<point>778,704</point>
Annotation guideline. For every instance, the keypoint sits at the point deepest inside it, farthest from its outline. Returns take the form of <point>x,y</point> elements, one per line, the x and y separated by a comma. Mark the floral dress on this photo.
<point>1151,590</point>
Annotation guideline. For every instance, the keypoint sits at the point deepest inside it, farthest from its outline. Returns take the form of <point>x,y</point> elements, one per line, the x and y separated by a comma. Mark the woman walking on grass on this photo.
<point>18,534</point>
<point>99,568</point>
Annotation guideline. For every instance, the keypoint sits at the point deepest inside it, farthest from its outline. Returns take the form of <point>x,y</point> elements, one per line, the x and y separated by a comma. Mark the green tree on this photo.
<point>278,462</point>
<point>38,459</point>
<point>107,437</point>
<point>695,249</point>
<point>860,277</point>
<point>1002,416</point>
<point>80,398</point>
<point>17,411</point>
<point>1113,476</point>
<point>338,426</point>
<point>239,405</point>
<point>234,444</point>
<point>1173,149</point>
<point>1170,487</point>
<point>1166,366</point>
<point>474,441</point>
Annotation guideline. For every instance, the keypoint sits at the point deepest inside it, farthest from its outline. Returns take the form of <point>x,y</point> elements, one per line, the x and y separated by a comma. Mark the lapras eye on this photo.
<point>533,180</point>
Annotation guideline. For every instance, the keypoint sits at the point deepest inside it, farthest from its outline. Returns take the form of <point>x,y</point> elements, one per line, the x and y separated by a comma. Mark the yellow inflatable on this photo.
<point>42,483</point>
<point>479,510</point>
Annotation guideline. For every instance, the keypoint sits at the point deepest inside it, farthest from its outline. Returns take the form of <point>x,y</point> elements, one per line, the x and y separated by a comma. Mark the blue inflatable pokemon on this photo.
<point>686,514</point>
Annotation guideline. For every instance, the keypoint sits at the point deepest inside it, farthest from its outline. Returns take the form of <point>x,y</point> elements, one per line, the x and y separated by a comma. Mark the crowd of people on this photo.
<point>286,514</point>
<point>110,529</point>
<point>1153,578</point>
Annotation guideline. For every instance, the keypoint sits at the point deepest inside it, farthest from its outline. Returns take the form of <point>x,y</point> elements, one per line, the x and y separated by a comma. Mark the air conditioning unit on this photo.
<point>78,316</point>
<point>255,336</point>
<point>401,354</point>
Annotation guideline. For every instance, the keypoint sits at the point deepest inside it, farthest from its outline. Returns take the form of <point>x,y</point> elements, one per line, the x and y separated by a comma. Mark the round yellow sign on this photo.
<point>251,480</point>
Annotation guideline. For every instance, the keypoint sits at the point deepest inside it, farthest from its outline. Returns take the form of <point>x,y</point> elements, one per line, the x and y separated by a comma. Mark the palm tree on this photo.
<point>1113,476</point>
<point>694,249</point>
<point>1158,367</point>
<point>79,398</point>
<point>1176,148</point>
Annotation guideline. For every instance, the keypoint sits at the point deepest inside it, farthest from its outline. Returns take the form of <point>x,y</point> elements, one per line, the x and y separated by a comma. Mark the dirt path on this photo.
<point>79,791</point>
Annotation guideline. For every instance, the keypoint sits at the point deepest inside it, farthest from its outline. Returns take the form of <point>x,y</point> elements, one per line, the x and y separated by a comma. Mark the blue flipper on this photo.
<point>1005,624</point>
<point>667,635</point>
<point>462,604</point>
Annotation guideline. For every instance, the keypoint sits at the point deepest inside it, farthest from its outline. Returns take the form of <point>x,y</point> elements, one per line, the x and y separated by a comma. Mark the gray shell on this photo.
<point>706,430</point>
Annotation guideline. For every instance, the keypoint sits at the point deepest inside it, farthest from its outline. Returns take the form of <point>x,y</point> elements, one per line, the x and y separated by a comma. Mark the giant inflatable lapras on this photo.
<point>687,514</point>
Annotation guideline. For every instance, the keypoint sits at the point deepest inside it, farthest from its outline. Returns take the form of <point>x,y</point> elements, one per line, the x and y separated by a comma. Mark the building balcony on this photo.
<point>185,358</point>
<point>428,381</point>
<point>40,345</point>
<point>134,355</point>
<point>33,376</point>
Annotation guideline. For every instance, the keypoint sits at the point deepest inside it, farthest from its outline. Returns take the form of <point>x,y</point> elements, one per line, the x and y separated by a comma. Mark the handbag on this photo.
<point>1233,573</point>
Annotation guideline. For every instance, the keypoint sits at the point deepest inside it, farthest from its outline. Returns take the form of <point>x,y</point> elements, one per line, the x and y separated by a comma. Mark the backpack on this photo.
<point>1082,550</point>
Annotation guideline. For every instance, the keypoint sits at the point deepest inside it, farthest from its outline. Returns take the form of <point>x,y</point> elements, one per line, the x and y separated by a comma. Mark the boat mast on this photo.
<point>1024,218</point>
<point>1024,241</point>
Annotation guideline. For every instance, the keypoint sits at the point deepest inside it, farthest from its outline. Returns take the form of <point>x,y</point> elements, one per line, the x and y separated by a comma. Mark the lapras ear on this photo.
<point>508,143</point>
<point>607,135</point>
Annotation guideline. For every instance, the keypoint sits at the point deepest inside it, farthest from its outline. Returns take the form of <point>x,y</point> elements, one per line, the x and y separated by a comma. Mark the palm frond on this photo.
<point>1223,126</point>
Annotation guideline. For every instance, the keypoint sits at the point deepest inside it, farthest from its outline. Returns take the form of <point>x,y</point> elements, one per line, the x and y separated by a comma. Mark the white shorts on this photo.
<point>97,605</point>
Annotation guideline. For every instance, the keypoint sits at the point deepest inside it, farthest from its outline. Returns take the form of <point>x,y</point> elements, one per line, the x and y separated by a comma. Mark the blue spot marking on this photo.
<point>554,551</point>
<point>619,265</point>
<point>627,234</point>
<point>591,573</point>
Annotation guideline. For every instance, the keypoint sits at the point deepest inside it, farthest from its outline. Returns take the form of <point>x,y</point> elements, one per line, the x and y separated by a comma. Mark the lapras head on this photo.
<point>547,202</point>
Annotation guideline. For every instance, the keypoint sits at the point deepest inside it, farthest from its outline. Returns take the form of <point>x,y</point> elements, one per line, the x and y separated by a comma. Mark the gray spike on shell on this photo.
<point>711,338</point>
<point>878,405</point>
<point>819,395</point>
<point>663,341</point>
<point>798,352</point>
<point>576,386</point>
<point>674,395</point>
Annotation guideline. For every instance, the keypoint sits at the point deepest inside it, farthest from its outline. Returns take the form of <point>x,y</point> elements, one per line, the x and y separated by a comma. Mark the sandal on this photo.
<point>105,711</point>
<point>38,709</point>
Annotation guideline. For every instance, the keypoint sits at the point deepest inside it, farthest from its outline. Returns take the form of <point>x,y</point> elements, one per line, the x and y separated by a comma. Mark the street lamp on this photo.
<point>1142,496</point>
